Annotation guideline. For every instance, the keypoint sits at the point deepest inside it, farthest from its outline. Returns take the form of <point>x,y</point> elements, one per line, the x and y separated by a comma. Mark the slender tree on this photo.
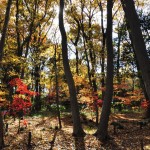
<point>2,43</point>
<point>102,131</point>
<point>138,42</point>
<point>57,87</point>
<point>77,127</point>
<point>102,52</point>
<point>1,131</point>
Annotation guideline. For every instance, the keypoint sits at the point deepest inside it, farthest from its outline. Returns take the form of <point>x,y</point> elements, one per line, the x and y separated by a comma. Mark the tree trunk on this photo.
<point>37,88</point>
<point>147,114</point>
<point>75,43</point>
<point>118,55</point>
<point>84,43</point>
<point>2,42</point>
<point>102,60</point>
<point>19,51</point>
<point>102,131</point>
<point>57,89</point>
<point>138,42</point>
<point>77,127</point>
<point>1,131</point>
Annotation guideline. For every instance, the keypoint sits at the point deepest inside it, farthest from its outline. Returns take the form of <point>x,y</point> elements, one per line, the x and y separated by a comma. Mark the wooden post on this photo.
<point>142,145</point>
<point>115,129</point>
<point>29,139</point>
<point>6,129</point>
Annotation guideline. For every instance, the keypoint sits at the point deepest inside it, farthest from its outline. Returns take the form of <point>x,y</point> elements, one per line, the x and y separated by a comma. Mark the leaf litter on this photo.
<point>45,135</point>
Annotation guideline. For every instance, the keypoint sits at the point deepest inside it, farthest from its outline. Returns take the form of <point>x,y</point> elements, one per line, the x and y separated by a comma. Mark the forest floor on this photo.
<point>46,136</point>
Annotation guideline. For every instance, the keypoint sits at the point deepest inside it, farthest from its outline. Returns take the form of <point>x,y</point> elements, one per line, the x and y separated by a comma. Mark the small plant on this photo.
<point>61,107</point>
<point>21,103</point>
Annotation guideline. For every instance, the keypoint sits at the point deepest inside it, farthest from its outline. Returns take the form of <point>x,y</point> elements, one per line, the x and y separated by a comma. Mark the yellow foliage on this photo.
<point>78,80</point>
<point>85,99</point>
<point>3,93</point>
<point>3,102</point>
<point>15,60</point>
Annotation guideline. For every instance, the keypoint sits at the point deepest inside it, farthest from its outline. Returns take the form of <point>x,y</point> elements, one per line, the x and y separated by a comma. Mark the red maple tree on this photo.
<point>21,103</point>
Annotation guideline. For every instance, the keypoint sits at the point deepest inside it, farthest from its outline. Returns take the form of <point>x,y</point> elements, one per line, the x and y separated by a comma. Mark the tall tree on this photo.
<point>57,86</point>
<point>138,42</point>
<point>77,127</point>
<point>102,131</point>
<point>2,43</point>
<point>1,131</point>
<point>102,60</point>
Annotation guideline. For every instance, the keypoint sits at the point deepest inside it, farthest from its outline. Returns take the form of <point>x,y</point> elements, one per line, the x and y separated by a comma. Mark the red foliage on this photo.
<point>51,96</point>
<point>15,81</point>
<point>99,102</point>
<point>96,101</point>
<point>21,101</point>
<point>25,122</point>
<point>145,104</point>
<point>21,87</point>
<point>19,104</point>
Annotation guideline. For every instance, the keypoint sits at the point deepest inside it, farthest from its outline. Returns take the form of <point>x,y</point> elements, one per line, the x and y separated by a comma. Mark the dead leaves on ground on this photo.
<point>45,137</point>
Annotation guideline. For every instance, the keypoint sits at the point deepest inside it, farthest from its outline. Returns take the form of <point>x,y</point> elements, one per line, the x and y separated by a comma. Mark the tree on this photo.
<point>102,60</point>
<point>2,43</point>
<point>57,87</point>
<point>21,103</point>
<point>102,131</point>
<point>138,42</point>
<point>77,128</point>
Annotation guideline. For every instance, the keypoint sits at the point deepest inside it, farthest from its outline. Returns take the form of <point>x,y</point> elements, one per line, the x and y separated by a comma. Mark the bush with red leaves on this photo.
<point>21,103</point>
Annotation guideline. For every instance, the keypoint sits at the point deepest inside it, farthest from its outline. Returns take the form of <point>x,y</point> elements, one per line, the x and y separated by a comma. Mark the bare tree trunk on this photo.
<point>138,42</point>
<point>102,131</point>
<point>77,127</point>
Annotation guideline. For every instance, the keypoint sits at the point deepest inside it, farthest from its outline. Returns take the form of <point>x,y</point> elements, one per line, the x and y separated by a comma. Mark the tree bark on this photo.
<point>19,51</point>
<point>1,131</point>
<point>138,42</point>
<point>2,42</point>
<point>102,132</point>
<point>102,60</point>
<point>85,37</point>
<point>118,55</point>
<point>147,114</point>
<point>77,127</point>
<point>37,88</point>
<point>57,88</point>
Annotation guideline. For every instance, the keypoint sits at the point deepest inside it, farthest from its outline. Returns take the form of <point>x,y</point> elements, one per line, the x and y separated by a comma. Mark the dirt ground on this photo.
<point>46,136</point>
